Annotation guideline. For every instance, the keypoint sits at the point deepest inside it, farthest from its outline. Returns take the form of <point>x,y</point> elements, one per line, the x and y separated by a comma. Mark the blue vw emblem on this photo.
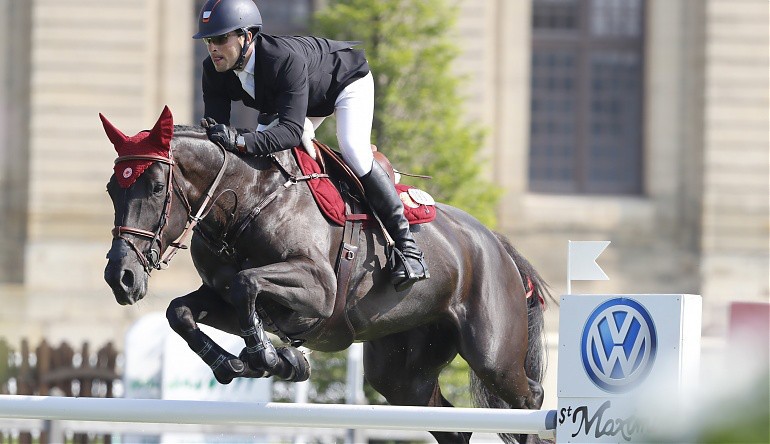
<point>618,345</point>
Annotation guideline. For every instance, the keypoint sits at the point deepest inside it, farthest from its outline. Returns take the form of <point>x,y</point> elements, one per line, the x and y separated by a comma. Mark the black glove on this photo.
<point>221,134</point>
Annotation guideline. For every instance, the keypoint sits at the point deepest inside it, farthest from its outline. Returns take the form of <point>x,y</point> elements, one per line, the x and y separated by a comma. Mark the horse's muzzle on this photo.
<point>125,274</point>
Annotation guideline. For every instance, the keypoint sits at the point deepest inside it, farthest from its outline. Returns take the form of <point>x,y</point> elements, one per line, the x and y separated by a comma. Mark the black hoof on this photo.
<point>295,367</point>
<point>229,370</point>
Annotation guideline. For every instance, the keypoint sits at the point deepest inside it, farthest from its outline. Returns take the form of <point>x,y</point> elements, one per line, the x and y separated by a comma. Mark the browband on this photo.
<point>149,157</point>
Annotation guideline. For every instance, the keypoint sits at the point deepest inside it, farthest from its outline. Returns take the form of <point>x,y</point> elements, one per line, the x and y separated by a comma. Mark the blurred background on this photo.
<point>642,122</point>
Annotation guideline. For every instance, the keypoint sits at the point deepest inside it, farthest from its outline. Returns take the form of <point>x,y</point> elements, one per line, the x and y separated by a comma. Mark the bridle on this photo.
<point>151,259</point>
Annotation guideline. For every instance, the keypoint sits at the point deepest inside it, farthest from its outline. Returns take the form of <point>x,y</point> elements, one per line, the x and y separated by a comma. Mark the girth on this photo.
<point>335,332</point>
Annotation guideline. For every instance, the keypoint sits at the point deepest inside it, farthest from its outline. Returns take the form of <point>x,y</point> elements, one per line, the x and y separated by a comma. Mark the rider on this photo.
<point>296,77</point>
<point>302,80</point>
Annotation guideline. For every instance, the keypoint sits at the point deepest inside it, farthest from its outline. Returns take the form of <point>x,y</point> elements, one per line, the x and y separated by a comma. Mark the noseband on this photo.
<point>151,259</point>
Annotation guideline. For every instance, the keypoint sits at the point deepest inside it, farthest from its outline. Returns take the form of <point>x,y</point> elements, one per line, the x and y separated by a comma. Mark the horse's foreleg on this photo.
<point>182,314</point>
<point>302,284</point>
<point>260,353</point>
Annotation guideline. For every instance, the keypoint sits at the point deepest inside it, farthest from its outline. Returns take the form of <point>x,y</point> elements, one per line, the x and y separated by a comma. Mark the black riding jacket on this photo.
<point>294,77</point>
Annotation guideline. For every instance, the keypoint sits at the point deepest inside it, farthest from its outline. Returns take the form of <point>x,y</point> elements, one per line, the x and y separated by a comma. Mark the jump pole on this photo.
<point>278,414</point>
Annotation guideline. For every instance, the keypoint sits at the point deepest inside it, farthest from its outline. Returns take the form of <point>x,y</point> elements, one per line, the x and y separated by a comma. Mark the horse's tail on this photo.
<point>536,359</point>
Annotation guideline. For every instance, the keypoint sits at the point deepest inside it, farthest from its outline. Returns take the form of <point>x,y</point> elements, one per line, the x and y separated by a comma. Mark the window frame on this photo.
<point>583,44</point>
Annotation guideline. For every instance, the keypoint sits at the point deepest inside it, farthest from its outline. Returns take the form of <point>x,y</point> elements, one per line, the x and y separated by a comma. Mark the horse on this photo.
<point>263,249</point>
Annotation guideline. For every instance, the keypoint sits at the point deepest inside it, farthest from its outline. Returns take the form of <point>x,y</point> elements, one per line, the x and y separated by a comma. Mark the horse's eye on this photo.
<point>158,188</point>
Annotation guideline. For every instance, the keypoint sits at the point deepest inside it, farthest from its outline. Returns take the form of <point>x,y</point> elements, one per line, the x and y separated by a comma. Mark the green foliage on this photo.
<point>329,375</point>
<point>328,372</point>
<point>747,420</point>
<point>455,383</point>
<point>419,119</point>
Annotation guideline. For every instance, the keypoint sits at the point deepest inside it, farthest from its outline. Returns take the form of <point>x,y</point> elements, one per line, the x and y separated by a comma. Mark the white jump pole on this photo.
<point>278,414</point>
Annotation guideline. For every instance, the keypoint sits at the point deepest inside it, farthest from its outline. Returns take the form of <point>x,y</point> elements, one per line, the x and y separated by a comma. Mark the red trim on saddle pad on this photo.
<point>330,201</point>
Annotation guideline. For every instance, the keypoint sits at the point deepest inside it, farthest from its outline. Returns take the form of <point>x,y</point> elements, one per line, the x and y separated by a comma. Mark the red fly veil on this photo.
<point>155,142</point>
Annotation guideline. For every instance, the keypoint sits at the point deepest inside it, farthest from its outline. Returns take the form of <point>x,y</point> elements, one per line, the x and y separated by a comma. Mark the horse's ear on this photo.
<point>115,135</point>
<point>163,130</point>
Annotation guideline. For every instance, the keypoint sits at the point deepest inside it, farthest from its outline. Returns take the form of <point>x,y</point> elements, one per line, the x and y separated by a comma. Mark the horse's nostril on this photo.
<point>127,279</point>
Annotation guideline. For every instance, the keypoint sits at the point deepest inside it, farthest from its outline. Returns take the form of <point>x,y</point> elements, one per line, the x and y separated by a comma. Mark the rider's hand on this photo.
<point>221,134</point>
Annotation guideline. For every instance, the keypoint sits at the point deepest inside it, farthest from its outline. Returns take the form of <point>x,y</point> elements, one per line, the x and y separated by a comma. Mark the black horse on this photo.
<point>264,250</point>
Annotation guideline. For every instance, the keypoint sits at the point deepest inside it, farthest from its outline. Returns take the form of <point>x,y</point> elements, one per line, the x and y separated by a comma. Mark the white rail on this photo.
<point>278,414</point>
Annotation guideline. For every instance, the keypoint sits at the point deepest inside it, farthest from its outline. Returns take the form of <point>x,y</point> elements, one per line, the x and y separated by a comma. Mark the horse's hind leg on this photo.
<point>404,367</point>
<point>203,303</point>
<point>496,352</point>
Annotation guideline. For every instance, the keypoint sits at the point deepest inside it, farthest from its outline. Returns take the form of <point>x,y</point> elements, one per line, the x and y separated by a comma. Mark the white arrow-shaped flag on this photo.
<point>581,262</point>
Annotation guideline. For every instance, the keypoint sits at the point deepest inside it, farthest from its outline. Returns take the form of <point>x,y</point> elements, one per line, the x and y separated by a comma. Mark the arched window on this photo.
<point>586,109</point>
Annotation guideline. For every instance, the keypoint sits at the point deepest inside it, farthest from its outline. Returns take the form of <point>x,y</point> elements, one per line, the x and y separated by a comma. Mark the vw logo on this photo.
<point>618,345</point>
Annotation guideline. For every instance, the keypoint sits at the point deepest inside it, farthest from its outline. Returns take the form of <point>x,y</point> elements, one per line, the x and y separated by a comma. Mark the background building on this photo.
<point>640,122</point>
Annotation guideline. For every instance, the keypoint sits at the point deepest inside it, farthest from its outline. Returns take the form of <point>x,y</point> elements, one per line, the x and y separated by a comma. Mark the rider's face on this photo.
<point>225,50</point>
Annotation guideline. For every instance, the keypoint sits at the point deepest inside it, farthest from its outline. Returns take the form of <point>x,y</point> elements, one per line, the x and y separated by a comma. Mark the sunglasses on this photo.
<point>219,39</point>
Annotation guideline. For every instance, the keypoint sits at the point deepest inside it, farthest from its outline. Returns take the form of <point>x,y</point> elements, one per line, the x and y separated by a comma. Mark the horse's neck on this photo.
<point>248,180</point>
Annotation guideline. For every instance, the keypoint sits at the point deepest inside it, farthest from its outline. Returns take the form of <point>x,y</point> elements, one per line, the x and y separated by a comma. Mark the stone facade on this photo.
<point>67,61</point>
<point>700,226</point>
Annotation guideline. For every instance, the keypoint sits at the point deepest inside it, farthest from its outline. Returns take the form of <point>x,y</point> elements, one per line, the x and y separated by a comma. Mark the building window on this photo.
<point>586,110</point>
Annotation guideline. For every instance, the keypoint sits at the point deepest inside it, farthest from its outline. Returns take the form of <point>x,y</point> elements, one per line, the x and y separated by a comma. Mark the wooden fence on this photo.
<point>56,371</point>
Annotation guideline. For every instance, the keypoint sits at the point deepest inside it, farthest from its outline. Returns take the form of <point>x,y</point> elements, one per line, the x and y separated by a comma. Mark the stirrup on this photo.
<point>402,276</point>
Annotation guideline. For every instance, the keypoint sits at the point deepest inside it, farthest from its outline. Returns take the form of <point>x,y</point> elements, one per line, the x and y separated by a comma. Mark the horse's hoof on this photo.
<point>297,368</point>
<point>229,370</point>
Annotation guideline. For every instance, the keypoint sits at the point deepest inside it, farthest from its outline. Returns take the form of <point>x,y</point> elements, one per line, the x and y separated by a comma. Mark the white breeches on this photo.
<point>354,111</point>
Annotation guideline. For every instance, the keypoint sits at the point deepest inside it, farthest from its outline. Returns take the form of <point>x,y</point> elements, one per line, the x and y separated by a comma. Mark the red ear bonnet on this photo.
<point>155,142</point>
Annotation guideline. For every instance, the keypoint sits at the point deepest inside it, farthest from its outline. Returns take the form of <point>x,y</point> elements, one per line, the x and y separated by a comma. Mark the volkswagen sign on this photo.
<point>618,345</point>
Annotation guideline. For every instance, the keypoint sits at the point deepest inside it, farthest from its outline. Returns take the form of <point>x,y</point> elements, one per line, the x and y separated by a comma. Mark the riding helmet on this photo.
<point>219,17</point>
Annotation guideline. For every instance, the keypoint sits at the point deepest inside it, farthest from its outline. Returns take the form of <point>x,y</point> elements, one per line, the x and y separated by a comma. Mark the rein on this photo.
<point>291,180</point>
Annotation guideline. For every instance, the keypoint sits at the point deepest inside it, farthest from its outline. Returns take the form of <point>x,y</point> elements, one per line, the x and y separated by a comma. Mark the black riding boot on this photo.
<point>406,261</point>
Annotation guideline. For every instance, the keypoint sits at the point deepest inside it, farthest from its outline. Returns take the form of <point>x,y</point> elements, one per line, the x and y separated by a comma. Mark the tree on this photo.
<point>419,118</point>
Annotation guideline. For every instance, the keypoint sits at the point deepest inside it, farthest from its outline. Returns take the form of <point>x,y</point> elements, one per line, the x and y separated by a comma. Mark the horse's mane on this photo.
<point>201,143</point>
<point>189,130</point>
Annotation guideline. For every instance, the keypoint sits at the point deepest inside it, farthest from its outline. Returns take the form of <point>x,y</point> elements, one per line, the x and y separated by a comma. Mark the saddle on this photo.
<point>336,194</point>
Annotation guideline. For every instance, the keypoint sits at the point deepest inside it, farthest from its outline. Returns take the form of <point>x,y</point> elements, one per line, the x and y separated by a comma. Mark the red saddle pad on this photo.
<point>329,200</point>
